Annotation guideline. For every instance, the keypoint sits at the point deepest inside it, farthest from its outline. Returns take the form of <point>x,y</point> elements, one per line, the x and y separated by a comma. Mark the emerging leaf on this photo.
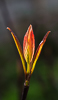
<point>38,51</point>
<point>18,48</point>
<point>29,45</point>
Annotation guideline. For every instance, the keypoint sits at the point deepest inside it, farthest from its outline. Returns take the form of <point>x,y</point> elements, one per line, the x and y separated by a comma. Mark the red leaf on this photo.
<point>38,51</point>
<point>18,48</point>
<point>29,45</point>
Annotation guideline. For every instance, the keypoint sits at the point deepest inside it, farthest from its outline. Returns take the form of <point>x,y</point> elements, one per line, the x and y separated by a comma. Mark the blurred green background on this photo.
<point>18,15</point>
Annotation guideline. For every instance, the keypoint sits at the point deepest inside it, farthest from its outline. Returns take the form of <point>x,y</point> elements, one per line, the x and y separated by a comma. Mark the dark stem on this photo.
<point>25,91</point>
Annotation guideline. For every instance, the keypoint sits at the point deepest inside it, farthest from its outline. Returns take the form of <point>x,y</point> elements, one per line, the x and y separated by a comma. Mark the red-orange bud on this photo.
<point>29,45</point>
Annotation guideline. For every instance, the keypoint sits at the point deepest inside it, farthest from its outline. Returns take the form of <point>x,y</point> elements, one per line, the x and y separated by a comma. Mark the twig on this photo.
<point>25,91</point>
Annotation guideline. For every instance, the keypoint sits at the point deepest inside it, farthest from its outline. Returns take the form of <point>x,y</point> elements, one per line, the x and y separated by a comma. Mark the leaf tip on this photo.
<point>30,25</point>
<point>8,28</point>
<point>49,31</point>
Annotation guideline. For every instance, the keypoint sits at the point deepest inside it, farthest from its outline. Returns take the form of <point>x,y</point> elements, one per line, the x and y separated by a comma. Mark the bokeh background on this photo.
<point>18,15</point>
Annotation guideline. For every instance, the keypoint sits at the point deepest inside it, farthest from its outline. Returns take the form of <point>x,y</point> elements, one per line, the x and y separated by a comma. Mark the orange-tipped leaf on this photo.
<point>18,48</point>
<point>29,45</point>
<point>38,51</point>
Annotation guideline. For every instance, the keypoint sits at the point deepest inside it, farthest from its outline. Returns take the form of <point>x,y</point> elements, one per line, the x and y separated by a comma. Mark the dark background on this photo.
<point>18,15</point>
